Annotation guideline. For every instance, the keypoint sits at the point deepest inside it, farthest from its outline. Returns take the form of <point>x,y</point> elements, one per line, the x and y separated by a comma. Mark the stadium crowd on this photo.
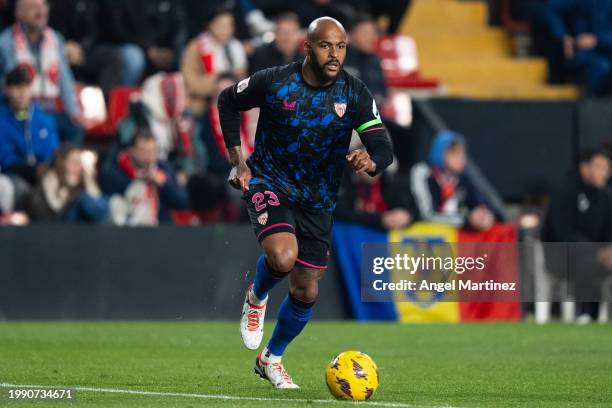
<point>575,36</point>
<point>167,161</point>
<point>167,154</point>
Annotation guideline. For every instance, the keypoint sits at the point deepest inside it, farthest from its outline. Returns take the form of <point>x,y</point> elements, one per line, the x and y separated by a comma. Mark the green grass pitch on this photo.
<point>441,365</point>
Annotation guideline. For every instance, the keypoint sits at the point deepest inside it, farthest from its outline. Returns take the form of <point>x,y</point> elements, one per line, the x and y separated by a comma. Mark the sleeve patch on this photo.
<point>242,85</point>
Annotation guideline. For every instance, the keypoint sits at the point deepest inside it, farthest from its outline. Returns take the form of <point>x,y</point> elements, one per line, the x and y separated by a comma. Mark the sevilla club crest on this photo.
<point>340,109</point>
<point>263,218</point>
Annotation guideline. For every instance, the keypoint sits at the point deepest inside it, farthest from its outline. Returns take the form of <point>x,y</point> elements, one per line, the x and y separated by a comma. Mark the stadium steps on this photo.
<point>473,60</point>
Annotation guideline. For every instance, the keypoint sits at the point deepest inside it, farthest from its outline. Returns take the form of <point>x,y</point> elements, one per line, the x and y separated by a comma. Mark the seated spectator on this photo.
<point>285,47</point>
<point>381,202</point>
<point>90,61</point>
<point>30,41</point>
<point>578,40</point>
<point>363,62</point>
<point>68,191</point>
<point>582,212</point>
<point>210,188</point>
<point>250,21</point>
<point>28,136</point>
<point>393,10</point>
<point>217,157</point>
<point>361,58</point>
<point>213,52</point>
<point>150,34</point>
<point>161,109</point>
<point>148,185</point>
<point>442,192</point>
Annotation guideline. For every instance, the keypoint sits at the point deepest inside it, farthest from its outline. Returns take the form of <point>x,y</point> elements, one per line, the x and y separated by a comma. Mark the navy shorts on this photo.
<point>271,212</point>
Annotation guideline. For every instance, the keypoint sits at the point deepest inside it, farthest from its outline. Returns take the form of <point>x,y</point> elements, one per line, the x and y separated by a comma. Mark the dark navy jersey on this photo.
<point>303,133</point>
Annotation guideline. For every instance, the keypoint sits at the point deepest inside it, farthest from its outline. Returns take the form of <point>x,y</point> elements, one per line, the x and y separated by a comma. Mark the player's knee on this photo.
<point>281,259</point>
<point>306,294</point>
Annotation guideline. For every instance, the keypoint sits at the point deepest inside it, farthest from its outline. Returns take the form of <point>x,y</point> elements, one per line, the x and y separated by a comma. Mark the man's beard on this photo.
<point>319,70</point>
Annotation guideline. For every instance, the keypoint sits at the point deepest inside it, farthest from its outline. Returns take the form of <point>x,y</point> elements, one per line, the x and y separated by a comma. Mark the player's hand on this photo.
<point>240,177</point>
<point>361,162</point>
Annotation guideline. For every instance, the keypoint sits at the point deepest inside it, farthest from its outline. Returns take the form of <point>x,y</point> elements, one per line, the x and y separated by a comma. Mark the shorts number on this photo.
<point>258,200</point>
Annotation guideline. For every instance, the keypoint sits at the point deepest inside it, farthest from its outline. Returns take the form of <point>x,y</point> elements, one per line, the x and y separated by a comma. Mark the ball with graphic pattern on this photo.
<point>352,375</point>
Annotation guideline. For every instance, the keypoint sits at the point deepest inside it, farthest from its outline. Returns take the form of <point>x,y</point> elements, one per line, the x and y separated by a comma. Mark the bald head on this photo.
<point>325,49</point>
<point>322,26</point>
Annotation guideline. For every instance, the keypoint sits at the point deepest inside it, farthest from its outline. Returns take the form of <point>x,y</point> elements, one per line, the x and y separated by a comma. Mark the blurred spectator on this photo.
<point>90,61</point>
<point>256,20</point>
<point>68,190</point>
<point>28,136</point>
<point>250,20</point>
<point>150,33</point>
<point>285,47</point>
<point>381,202</point>
<point>213,52</point>
<point>30,41</point>
<point>161,109</point>
<point>582,212</point>
<point>394,10</point>
<point>149,186</point>
<point>578,40</point>
<point>363,62</point>
<point>361,58</point>
<point>442,192</point>
<point>210,189</point>
<point>217,156</point>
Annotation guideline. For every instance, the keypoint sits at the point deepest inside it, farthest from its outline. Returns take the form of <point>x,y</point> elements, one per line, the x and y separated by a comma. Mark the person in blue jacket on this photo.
<point>441,190</point>
<point>578,40</point>
<point>28,135</point>
<point>30,41</point>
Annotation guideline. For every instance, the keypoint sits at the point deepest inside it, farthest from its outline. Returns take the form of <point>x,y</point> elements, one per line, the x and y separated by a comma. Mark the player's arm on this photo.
<point>242,96</point>
<point>374,136</point>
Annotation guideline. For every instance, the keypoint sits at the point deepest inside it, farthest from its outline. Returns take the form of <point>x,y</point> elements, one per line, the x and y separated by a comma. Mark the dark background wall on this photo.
<point>522,147</point>
<point>88,272</point>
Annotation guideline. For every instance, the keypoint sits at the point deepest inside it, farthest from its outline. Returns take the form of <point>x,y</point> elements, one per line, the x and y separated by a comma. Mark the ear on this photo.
<point>307,48</point>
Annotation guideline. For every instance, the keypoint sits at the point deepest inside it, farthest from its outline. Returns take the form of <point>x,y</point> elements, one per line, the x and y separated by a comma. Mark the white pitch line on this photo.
<point>223,397</point>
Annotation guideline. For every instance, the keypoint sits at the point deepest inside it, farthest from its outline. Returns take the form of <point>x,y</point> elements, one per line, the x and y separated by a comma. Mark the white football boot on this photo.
<point>252,322</point>
<point>274,372</point>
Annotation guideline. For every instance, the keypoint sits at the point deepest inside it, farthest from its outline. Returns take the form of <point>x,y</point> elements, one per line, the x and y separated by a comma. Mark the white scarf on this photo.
<point>46,82</point>
<point>213,56</point>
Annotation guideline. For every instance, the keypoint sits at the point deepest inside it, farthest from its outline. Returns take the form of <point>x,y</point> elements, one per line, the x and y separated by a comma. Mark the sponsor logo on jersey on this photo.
<point>375,110</point>
<point>289,106</point>
<point>340,109</point>
<point>263,218</point>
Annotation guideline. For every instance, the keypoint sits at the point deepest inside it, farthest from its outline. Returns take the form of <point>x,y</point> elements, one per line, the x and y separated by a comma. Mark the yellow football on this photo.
<point>352,375</point>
